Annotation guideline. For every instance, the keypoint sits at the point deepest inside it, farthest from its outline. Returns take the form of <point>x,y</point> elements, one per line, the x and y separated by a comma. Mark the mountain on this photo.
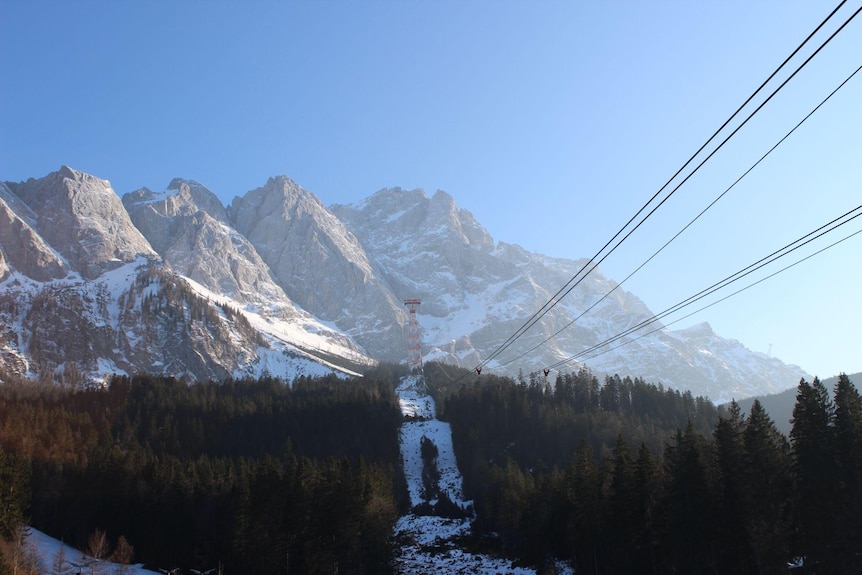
<point>321,264</point>
<point>174,281</point>
<point>22,247</point>
<point>85,294</point>
<point>187,221</point>
<point>83,220</point>
<point>476,293</point>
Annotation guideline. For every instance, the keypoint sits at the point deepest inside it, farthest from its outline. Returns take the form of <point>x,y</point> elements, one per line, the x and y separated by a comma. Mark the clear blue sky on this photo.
<point>552,122</point>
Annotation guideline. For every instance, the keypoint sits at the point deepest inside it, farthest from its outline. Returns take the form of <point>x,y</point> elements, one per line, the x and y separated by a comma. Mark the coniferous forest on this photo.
<point>627,477</point>
<point>618,476</point>
<point>253,476</point>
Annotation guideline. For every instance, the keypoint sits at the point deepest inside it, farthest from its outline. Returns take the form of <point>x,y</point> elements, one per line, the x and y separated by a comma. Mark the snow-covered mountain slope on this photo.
<point>340,274</point>
<point>83,308</point>
<point>476,293</point>
<point>141,317</point>
<point>320,264</point>
<point>188,227</point>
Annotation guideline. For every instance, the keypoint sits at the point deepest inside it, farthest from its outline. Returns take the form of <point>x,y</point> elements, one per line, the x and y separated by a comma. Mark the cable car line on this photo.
<point>738,275</point>
<point>774,256</point>
<point>725,297</point>
<point>578,277</point>
<point>689,224</point>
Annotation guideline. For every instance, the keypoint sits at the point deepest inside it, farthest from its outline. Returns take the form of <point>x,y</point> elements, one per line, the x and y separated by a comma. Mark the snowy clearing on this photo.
<point>430,544</point>
<point>50,552</point>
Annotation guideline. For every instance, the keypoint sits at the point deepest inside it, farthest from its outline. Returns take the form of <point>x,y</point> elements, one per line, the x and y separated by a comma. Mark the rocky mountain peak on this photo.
<point>319,263</point>
<point>82,218</point>
<point>182,197</point>
<point>280,198</point>
<point>390,200</point>
<point>21,248</point>
<point>194,196</point>
<point>700,330</point>
<point>186,221</point>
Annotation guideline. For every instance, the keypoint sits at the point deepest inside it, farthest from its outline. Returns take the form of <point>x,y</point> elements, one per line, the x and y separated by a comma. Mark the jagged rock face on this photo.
<point>187,225</point>
<point>140,320</point>
<point>320,264</point>
<point>21,248</point>
<point>475,295</point>
<point>425,247</point>
<point>106,314</point>
<point>82,218</point>
<point>140,317</point>
<point>192,196</point>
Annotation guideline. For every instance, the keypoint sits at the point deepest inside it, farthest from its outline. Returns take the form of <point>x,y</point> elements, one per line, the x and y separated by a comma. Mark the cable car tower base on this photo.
<point>414,345</point>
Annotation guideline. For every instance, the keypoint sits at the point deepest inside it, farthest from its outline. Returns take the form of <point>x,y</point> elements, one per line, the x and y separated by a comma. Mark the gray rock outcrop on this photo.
<point>320,264</point>
<point>82,218</point>
<point>21,248</point>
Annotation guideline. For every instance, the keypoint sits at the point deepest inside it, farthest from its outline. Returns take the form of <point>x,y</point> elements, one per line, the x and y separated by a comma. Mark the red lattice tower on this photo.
<point>414,346</point>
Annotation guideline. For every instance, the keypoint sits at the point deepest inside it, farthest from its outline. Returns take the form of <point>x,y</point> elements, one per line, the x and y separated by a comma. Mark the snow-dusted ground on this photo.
<point>70,560</point>
<point>430,544</point>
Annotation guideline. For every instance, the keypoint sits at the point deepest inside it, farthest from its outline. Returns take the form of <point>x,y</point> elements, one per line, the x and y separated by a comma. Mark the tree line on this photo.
<point>627,477</point>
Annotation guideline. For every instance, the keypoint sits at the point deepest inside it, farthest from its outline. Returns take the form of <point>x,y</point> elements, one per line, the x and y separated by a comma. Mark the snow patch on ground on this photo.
<point>430,544</point>
<point>51,551</point>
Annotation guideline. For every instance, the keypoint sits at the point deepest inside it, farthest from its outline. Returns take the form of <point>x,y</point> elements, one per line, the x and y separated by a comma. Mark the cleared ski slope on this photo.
<point>430,544</point>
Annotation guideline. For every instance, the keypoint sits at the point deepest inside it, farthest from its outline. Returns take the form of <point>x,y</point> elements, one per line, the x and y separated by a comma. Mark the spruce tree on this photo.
<point>689,500</point>
<point>765,477</point>
<point>622,506</point>
<point>647,479</point>
<point>583,484</point>
<point>728,446</point>
<point>14,494</point>
<point>814,475</point>
<point>848,458</point>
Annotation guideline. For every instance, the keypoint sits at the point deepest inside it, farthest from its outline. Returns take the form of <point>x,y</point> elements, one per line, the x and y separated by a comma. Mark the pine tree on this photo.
<point>690,503</point>
<point>14,494</point>
<point>730,458</point>
<point>814,465</point>
<point>848,457</point>
<point>767,492</point>
<point>583,485</point>
<point>647,482</point>
<point>624,523</point>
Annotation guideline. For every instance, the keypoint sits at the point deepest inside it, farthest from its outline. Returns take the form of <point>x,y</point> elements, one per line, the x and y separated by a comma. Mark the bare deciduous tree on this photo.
<point>98,548</point>
<point>97,544</point>
<point>58,561</point>
<point>122,556</point>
